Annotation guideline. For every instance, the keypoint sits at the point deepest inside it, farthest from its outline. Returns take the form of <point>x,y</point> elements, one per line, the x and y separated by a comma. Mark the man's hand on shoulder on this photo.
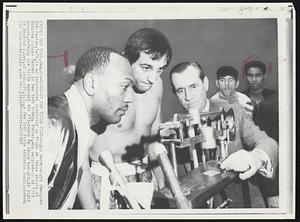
<point>248,106</point>
<point>245,162</point>
<point>246,103</point>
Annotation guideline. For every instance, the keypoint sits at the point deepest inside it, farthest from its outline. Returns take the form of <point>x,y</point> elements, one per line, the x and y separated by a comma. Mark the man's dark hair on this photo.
<point>227,71</point>
<point>95,58</point>
<point>149,41</point>
<point>256,64</point>
<point>180,67</point>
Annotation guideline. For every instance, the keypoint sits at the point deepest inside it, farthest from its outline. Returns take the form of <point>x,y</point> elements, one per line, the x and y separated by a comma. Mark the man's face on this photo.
<point>256,77</point>
<point>190,89</point>
<point>113,91</point>
<point>146,71</point>
<point>227,85</point>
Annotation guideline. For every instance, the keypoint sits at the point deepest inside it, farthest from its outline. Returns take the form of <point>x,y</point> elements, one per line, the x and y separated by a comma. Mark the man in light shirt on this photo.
<point>227,82</point>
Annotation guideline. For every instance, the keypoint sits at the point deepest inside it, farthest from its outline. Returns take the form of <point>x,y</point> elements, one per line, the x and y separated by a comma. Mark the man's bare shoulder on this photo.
<point>151,99</point>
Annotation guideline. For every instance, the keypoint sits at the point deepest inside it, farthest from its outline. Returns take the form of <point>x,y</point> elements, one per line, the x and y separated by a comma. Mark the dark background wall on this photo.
<point>210,42</point>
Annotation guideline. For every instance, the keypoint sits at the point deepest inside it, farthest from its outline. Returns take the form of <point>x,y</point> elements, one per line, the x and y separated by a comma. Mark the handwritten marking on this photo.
<point>57,56</point>
<point>245,10</point>
<point>269,65</point>
<point>245,61</point>
<point>66,58</point>
<point>269,68</point>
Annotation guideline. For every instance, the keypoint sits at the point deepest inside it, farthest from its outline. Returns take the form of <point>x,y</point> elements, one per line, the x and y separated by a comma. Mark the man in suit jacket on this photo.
<point>251,151</point>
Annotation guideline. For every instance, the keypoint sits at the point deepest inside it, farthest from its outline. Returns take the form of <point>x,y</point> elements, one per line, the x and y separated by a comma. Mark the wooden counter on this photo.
<point>198,186</point>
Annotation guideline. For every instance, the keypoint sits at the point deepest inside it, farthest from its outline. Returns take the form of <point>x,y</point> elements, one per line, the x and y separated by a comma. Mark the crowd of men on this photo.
<point>114,104</point>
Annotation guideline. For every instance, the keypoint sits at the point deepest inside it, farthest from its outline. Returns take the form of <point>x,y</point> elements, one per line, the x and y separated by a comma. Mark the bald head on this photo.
<point>181,67</point>
<point>190,85</point>
<point>94,59</point>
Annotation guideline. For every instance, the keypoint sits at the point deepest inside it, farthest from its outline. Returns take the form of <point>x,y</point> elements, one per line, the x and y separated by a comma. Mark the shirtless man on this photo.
<point>149,53</point>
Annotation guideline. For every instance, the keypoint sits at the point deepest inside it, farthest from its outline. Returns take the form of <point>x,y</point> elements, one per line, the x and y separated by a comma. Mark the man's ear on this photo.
<point>237,83</point>
<point>89,83</point>
<point>206,83</point>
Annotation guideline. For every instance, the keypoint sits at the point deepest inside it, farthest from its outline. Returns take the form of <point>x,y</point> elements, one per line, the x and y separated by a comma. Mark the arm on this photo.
<point>259,140</point>
<point>263,156</point>
<point>246,102</point>
<point>85,190</point>
<point>55,142</point>
<point>58,138</point>
<point>154,132</point>
<point>59,166</point>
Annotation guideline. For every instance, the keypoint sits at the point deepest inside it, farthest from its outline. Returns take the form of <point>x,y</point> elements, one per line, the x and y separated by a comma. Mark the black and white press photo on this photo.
<point>187,111</point>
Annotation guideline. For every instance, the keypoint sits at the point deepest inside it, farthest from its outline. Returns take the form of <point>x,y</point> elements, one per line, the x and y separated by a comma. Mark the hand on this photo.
<point>243,161</point>
<point>248,106</point>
